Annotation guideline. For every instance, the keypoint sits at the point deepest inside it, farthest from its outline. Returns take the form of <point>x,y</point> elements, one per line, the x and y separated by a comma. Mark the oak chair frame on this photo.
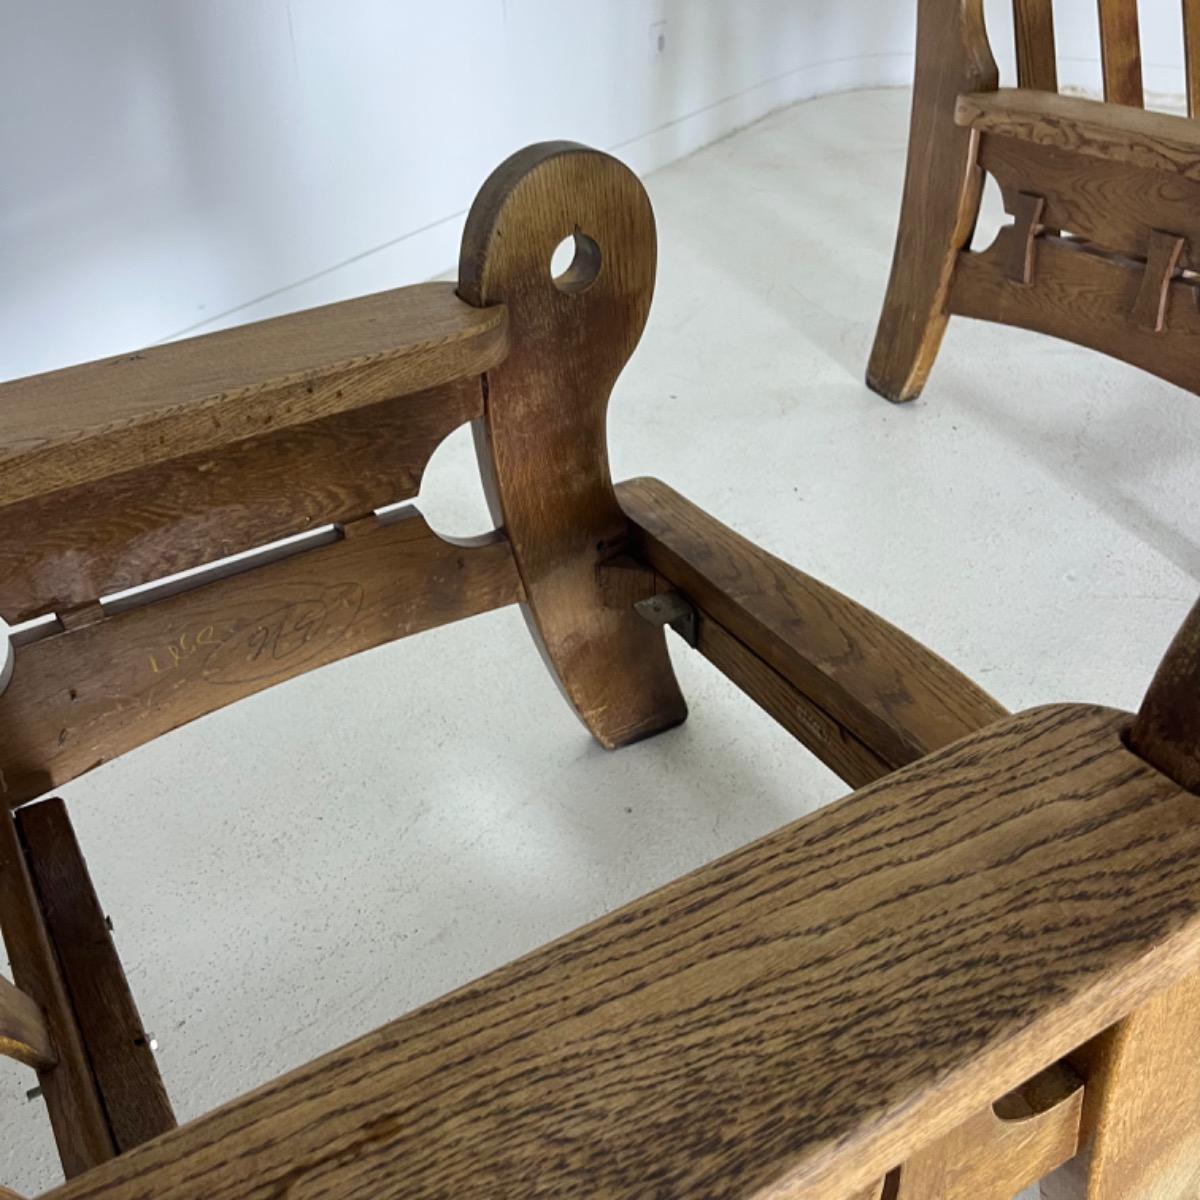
<point>975,970</point>
<point>1104,246</point>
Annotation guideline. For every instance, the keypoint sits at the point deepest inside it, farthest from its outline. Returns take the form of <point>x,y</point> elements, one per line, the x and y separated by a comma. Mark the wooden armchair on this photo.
<point>977,968</point>
<point>1105,240</point>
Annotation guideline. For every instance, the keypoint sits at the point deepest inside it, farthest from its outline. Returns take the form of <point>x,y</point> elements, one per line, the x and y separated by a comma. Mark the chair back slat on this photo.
<point>1121,52</point>
<point>1191,50</point>
<point>1037,65</point>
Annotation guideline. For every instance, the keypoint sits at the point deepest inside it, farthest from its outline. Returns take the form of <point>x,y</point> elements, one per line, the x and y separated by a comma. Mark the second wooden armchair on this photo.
<point>975,969</point>
<point>1105,239</point>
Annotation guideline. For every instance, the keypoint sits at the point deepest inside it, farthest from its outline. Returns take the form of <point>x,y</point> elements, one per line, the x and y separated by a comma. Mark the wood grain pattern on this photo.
<point>1005,1147</point>
<point>1112,204</point>
<point>77,1116</point>
<point>887,691</point>
<point>115,1041</point>
<point>1167,729</point>
<point>942,189</point>
<point>1121,52</point>
<point>944,934</point>
<point>1037,61</point>
<point>1150,141</point>
<point>71,546</point>
<point>543,444</point>
<point>1029,211</point>
<point>23,1032</point>
<point>84,423</point>
<point>78,699</point>
<point>1140,1106</point>
<point>1086,298</point>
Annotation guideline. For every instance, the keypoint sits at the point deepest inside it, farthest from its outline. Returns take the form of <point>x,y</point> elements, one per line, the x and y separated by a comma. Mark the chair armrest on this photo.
<point>799,1014</point>
<point>1115,132</point>
<point>87,422</point>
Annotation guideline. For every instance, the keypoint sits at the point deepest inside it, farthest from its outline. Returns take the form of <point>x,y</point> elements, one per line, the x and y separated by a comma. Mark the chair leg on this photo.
<point>941,195</point>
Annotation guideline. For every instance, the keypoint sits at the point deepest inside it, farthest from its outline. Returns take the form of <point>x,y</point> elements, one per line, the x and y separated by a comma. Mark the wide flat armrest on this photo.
<point>1115,132</point>
<point>87,422</point>
<point>791,1019</point>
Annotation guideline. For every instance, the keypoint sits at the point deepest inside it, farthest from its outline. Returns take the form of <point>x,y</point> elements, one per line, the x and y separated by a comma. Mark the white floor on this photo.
<point>288,874</point>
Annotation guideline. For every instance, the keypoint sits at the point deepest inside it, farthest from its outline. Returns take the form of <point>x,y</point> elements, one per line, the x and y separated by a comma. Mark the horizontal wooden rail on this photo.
<point>1087,298</point>
<point>83,696</point>
<point>85,423</point>
<point>785,1021</point>
<point>74,545</point>
<point>861,694</point>
<point>1150,140</point>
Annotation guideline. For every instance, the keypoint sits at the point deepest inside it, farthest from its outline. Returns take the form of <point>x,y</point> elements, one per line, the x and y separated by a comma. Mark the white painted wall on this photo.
<point>176,166</point>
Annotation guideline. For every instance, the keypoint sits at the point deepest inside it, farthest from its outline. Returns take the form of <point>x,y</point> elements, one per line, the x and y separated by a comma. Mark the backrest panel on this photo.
<point>1036,58</point>
<point>1121,52</point>
<point>71,546</point>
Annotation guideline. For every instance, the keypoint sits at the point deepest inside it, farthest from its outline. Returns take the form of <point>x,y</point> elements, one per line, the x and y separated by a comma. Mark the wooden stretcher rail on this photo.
<point>85,423</point>
<point>1087,298</point>
<point>81,697</point>
<point>74,545</point>
<point>862,695</point>
<point>908,953</point>
<point>1149,140</point>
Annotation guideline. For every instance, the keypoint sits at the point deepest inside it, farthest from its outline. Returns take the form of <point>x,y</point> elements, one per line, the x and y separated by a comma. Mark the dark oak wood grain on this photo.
<point>68,547</point>
<point>80,698</point>
<point>84,423</point>
<point>942,190</point>
<point>543,444</point>
<point>944,934</point>
<point>886,691</point>
<point>77,1116</point>
<point>115,1041</point>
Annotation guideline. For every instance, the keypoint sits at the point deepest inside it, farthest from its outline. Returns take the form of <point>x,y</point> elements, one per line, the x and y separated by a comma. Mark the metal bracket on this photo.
<point>672,609</point>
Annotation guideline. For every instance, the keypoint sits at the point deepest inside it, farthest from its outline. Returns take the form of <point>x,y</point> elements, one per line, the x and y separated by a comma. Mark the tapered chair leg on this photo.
<point>941,195</point>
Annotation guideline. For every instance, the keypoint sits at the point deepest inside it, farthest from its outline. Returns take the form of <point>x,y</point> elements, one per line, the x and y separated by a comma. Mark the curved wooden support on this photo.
<point>1004,1148</point>
<point>941,195</point>
<point>23,1032</point>
<point>542,439</point>
<point>1166,732</point>
<point>861,694</point>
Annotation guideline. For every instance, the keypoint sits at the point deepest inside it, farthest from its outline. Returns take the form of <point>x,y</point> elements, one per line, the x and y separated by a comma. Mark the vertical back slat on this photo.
<point>1037,65</point>
<point>1191,49</point>
<point>1121,52</point>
